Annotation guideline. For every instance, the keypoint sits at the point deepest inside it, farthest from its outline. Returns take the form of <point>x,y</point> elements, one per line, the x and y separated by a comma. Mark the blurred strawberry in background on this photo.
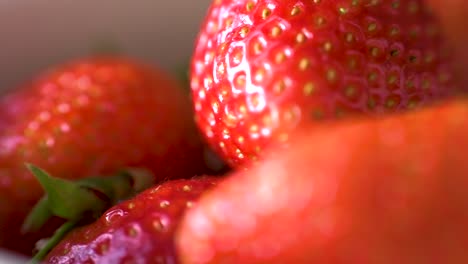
<point>90,117</point>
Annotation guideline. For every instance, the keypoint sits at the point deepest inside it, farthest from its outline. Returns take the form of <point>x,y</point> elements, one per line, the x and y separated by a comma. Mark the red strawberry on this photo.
<point>375,191</point>
<point>261,68</point>
<point>140,230</point>
<point>452,14</point>
<point>91,117</point>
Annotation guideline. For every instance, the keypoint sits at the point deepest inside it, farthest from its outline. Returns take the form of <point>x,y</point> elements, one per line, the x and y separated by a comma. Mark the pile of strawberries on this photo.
<point>342,123</point>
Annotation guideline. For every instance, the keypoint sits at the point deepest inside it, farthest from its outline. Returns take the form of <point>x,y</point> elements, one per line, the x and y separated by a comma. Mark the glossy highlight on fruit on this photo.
<point>140,230</point>
<point>262,68</point>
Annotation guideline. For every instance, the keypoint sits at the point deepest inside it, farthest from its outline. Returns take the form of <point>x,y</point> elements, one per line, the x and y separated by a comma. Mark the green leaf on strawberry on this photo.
<point>139,230</point>
<point>91,116</point>
<point>76,201</point>
<point>64,198</point>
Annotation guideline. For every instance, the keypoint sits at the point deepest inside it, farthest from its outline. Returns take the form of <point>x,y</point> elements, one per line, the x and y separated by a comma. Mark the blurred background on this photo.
<point>35,34</point>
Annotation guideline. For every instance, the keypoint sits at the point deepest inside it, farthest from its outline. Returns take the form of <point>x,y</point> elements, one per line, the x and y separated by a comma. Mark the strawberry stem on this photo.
<point>54,240</point>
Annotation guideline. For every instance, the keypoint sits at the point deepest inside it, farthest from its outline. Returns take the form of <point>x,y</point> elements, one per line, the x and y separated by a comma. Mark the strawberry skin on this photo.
<point>383,191</point>
<point>140,230</point>
<point>452,15</point>
<point>88,117</point>
<point>262,68</point>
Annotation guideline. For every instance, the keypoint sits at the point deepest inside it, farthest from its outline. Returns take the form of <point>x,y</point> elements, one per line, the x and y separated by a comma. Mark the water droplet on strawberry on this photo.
<point>113,215</point>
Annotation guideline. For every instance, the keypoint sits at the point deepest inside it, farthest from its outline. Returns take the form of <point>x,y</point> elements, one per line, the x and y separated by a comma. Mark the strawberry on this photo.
<point>452,14</point>
<point>79,201</point>
<point>139,230</point>
<point>91,117</point>
<point>389,190</point>
<point>262,68</point>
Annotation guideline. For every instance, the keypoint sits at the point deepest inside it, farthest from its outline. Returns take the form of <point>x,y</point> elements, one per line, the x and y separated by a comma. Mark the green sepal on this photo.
<point>122,185</point>
<point>142,179</point>
<point>66,199</point>
<point>39,215</point>
<point>74,200</point>
<point>53,241</point>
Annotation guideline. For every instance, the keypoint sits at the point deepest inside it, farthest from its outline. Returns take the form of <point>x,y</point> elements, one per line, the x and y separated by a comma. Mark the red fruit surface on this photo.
<point>140,230</point>
<point>373,191</point>
<point>91,117</point>
<point>453,14</point>
<point>262,68</point>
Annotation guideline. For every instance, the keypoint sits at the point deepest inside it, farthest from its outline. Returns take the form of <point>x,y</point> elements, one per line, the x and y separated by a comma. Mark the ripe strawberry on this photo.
<point>261,68</point>
<point>91,117</point>
<point>140,230</point>
<point>375,191</point>
<point>452,14</point>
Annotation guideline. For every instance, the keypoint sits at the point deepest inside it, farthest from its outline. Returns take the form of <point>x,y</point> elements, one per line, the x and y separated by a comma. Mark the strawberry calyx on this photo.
<point>77,201</point>
<point>51,242</point>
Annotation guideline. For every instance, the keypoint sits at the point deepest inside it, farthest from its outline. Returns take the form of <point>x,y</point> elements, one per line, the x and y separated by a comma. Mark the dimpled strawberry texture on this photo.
<point>91,117</point>
<point>263,67</point>
<point>140,230</point>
